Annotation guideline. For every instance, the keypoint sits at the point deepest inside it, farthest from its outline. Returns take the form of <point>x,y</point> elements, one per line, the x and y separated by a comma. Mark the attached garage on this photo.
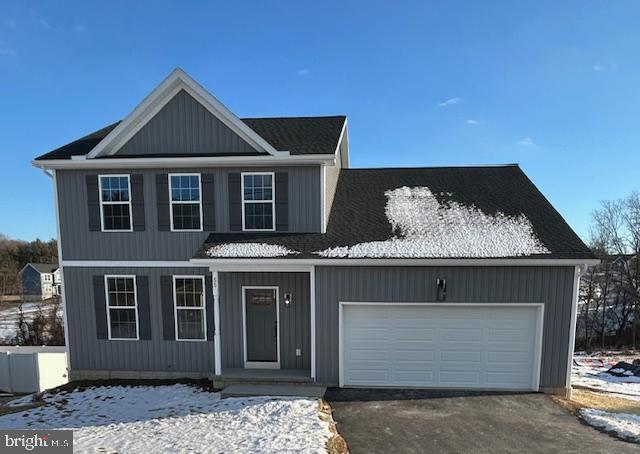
<point>471,346</point>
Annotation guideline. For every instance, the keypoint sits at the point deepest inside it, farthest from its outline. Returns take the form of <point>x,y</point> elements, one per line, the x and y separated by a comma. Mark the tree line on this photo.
<point>15,254</point>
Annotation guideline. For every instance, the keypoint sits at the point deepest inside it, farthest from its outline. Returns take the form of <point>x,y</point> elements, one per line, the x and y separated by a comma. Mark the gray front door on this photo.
<point>261,328</point>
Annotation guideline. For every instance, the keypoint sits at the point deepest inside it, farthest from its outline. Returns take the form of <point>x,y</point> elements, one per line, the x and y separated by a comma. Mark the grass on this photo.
<point>603,401</point>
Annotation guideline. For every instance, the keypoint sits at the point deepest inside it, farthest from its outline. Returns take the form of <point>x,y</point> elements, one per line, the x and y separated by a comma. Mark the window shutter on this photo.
<point>211,327</point>
<point>282,201</point>
<point>137,202</point>
<point>208,202</point>
<point>162,196</point>
<point>100,306</point>
<point>144,309</point>
<point>166,295</point>
<point>93,203</point>
<point>235,202</point>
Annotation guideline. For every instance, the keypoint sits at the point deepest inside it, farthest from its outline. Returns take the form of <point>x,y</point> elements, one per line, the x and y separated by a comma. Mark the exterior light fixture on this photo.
<point>287,299</point>
<point>441,285</point>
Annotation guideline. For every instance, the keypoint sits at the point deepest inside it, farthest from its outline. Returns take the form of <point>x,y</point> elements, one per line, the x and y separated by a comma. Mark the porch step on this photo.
<point>231,377</point>
<point>276,390</point>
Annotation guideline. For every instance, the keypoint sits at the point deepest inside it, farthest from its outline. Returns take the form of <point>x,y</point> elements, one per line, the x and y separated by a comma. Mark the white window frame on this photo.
<point>273,200</point>
<point>171,202</point>
<point>102,203</point>
<point>203,308</point>
<point>135,299</point>
<point>260,364</point>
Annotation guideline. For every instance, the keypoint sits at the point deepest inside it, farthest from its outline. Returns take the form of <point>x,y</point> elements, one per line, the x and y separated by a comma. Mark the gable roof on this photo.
<point>299,135</point>
<point>359,214</point>
<point>42,267</point>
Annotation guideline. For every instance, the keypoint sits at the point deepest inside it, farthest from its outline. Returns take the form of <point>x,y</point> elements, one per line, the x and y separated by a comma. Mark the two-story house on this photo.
<point>40,281</point>
<point>194,243</point>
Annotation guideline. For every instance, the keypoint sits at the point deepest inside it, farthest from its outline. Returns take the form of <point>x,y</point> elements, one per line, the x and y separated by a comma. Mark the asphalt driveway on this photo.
<point>385,421</point>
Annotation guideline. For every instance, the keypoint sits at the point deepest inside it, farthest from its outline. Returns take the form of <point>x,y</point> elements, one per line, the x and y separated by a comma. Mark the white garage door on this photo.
<point>440,346</point>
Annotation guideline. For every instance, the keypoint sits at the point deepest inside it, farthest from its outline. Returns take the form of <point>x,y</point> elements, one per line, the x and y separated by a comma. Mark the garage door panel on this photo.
<point>491,347</point>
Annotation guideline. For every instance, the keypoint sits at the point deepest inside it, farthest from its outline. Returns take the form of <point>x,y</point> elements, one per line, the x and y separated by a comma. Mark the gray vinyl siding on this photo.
<point>294,320</point>
<point>552,286</point>
<point>31,281</point>
<point>151,244</point>
<point>185,126</point>
<point>89,353</point>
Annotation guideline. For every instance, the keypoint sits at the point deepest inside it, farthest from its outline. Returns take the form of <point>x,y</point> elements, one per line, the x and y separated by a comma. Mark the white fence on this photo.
<point>32,369</point>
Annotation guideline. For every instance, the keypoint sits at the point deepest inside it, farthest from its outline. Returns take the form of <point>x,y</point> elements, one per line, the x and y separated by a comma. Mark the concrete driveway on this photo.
<point>385,421</point>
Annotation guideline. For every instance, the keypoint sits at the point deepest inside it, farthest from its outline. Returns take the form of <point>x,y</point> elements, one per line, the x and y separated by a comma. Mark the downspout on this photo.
<point>216,322</point>
<point>579,270</point>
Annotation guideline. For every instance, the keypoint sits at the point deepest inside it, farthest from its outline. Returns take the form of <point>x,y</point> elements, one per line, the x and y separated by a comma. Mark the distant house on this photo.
<point>40,280</point>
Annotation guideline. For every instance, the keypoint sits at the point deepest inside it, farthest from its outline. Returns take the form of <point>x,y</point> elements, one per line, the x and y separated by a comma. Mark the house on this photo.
<point>40,280</point>
<point>194,243</point>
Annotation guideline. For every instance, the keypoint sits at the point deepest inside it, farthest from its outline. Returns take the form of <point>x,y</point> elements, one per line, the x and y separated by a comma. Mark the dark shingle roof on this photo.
<point>299,136</point>
<point>45,267</point>
<point>358,211</point>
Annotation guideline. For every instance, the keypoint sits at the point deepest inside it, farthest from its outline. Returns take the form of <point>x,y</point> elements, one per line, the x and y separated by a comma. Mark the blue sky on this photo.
<point>551,85</point>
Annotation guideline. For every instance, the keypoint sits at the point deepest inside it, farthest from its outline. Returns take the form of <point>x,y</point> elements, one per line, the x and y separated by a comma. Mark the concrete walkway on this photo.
<point>438,422</point>
<point>285,390</point>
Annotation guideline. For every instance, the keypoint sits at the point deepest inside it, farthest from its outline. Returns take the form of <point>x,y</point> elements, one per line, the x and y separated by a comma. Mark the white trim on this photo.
<point>216,322</point>
<point>184,162</point>
<point>159,97</point>
<point>273,200</point>
<point>63,296</point>
<point>260,364</point>
<point>185,202</point>
<point>203,308</point>
<point>127,263</point>
<point>102,202</point>
<point>109,307</point>
<point>396,262</point>
<point>537,353</point>
<point>575,294</point>
<point>312,316</point>
<point>323,198</point>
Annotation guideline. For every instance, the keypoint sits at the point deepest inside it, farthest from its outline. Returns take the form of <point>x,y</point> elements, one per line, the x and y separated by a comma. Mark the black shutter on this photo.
<point>211,327</point>
<point>144,307</point>
<point>137,202</point>
<point>166,295</point>
<point>100,305</point>
<point>162,195</point>
<point>93,202</point>
<point>208,203</point>
<point>282,201</point>
<point>235,202</point>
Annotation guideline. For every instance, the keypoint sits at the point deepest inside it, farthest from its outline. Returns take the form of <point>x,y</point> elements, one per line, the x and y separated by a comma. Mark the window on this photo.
<point>258,201</point>
<point>115,203</point>
<point>186,209</point>
<point>122,307</point>
<point>189,307</point>
<point>47,277</point>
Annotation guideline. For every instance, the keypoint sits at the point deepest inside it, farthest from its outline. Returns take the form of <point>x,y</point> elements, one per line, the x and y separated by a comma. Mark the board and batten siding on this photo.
<point>151,244</point>
<point>552,286</point>
<point>88,353</point>
<point>295,322</point>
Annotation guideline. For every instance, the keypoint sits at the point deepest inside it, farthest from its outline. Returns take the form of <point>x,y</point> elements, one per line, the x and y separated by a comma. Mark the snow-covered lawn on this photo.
<point>9,317</point>
<point>624,425</point>
<point>176,419</point>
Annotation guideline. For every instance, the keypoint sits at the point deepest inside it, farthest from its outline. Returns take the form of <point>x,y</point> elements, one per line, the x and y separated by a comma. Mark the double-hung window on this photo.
<point>186,201</point>
<point>258,201</point>
<point>122,307</point>
<point>115,203</point>
<point>190,311</point>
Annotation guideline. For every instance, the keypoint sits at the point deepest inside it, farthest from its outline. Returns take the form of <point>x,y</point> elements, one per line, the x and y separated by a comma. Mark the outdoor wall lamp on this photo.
<point>441,285</point>
<point>287,299</point>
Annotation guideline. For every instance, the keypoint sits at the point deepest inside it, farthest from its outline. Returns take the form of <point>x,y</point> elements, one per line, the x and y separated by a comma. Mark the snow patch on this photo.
<point>424,227</point>
<point>592,373</point>
<point>249,250</point>
<point>624,425</point>
<point>177,418</point>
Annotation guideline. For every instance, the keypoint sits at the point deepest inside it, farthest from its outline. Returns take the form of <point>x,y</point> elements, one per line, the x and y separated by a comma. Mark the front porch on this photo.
<point>241,375</point>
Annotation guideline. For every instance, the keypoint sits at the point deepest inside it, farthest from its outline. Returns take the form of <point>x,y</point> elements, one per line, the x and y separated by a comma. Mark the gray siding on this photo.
<point>151,244</point>
<point>31,281</point>
<point>294,320</point>
<point>549,285</point>
<point>89,353</point>
<point>185,126</point>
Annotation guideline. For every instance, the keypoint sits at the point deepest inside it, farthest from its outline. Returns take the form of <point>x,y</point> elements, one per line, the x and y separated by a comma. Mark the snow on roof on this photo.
<point>249,250</point>
<point>425,227</point>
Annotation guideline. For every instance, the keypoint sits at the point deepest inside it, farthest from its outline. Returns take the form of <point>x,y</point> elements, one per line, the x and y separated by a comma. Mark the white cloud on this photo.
<point>450,102</point>
<point>527,142</point>
<point>596,68</point>
<point>302,72</point>
<point>44,23</point>
<point>472,122</point>
<point>80,28</point>
<point>5,50</point>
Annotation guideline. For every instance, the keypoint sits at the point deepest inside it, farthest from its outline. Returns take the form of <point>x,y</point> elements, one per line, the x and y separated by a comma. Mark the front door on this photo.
<point>261,327</point>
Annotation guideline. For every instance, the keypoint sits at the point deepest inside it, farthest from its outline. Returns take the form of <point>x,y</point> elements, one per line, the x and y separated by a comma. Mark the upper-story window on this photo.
<point>115,203</point>
<point>186,201</point>
<point>258,201</point>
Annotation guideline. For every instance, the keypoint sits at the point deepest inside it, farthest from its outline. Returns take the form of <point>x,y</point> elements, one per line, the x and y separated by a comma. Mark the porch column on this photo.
<point>216,321</point>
